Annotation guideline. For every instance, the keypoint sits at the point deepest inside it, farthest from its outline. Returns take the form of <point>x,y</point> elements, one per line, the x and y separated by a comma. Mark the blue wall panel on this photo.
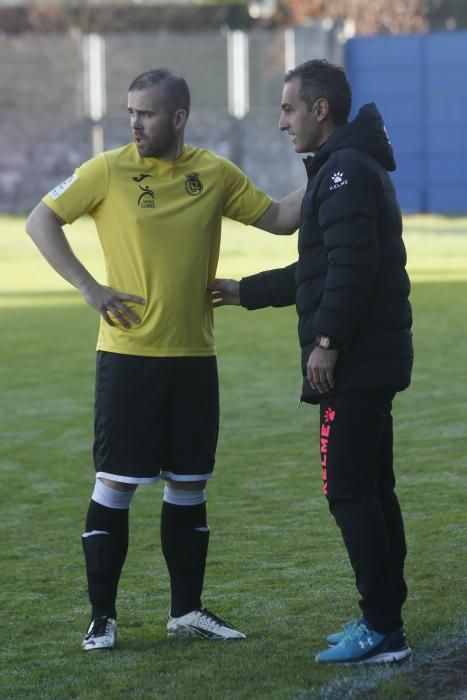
<point>420,87</point>
<point>446,48</point>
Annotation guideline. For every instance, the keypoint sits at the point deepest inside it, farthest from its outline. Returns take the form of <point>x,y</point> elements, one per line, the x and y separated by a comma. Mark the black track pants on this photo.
<point>356,441</point>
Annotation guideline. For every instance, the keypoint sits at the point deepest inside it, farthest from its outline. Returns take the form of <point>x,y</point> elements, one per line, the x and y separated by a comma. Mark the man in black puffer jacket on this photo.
<point>351,291</point>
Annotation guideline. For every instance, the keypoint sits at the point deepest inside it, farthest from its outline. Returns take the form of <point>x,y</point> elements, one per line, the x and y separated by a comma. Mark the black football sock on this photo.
<point>105,544</point>
<point>184,539</point>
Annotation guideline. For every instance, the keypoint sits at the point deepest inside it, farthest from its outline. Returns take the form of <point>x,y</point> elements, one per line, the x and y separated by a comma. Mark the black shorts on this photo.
<point>155,417</point>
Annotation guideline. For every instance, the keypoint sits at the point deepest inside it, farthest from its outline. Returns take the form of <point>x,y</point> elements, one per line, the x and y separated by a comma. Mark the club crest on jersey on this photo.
<point>193,184</point>
<point>146,200</point>
<point>337,180</point>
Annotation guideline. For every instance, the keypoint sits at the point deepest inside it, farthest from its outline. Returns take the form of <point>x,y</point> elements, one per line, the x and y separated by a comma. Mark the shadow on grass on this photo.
<point>442,678</point>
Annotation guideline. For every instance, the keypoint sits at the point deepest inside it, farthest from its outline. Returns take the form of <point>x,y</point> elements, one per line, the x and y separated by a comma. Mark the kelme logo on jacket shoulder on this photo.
<point>337,180</point>
<point>193,184</point>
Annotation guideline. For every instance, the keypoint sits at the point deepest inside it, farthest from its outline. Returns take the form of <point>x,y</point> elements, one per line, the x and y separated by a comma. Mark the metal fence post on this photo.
<point>94,87</point>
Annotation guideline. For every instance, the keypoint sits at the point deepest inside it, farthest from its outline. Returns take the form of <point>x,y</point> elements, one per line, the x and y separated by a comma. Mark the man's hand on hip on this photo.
<point>110,304</point>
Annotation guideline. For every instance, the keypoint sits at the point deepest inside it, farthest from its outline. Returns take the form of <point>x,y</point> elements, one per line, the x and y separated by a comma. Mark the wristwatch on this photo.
<point>325,342</point>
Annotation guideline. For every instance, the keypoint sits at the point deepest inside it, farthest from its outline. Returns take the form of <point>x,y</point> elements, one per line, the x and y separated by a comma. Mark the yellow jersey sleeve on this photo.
<point>243,201</point>
<point>82,193</point>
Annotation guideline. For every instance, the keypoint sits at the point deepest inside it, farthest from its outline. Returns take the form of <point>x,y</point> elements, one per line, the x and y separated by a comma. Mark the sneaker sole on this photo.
<point>388,657</point>
<point>186,632</point>
<point>99,648</point>
<point>194,633</point>
<point>385,657</point>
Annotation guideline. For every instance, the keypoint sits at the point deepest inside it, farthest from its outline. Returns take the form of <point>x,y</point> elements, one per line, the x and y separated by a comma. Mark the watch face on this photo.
<point>324,342</point>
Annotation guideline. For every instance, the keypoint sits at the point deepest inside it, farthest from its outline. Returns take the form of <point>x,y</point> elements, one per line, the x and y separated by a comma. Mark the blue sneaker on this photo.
<point>360,644</point>
<point>335,637</point>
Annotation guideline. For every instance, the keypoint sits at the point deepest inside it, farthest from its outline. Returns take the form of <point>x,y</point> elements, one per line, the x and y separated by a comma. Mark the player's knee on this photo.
<point>186,485</point>
<point>180,496</point>
<point>110,494</point>
<point>117,485</point>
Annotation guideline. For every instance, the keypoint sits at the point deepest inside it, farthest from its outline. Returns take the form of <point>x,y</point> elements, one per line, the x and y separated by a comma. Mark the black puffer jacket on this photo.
<point>350,281</point>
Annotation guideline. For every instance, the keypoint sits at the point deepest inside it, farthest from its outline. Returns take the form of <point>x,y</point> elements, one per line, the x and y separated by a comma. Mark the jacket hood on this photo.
<point>366,133</point>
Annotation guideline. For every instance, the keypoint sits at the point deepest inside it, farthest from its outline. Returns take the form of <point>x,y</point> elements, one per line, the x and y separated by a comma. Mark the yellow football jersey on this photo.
<point>159,225</point>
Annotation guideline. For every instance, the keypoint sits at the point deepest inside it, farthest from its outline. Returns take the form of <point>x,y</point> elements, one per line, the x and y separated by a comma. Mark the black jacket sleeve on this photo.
<point>348,220</point>
<point>270,288</point>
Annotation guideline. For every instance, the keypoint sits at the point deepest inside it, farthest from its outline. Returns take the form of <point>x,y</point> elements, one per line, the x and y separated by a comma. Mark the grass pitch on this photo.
<point>277,567</point>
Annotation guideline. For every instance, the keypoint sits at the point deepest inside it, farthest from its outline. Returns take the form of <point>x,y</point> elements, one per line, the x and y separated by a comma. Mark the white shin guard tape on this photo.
<point>183,497</point>
<point>110,497</point>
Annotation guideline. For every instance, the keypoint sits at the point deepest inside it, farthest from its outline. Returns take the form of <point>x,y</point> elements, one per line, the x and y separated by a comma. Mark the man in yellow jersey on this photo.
<point>157,205</point>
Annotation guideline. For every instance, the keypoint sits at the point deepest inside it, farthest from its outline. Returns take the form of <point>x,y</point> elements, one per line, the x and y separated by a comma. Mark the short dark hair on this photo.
<point>174,87</point>
<point>319,78</point>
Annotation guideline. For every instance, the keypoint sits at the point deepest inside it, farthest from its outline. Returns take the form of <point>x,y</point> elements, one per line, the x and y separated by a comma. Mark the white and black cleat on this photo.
<point>101,634</point>
<point>202,623</point>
